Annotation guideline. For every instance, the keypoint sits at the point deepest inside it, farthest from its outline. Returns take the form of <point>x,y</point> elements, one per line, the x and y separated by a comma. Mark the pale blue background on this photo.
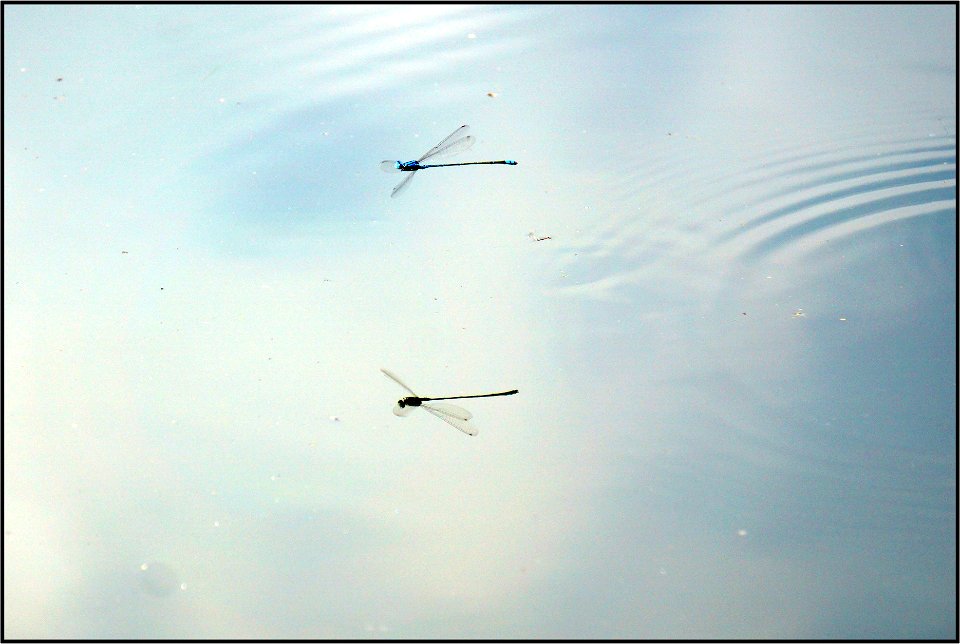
<point>736,353</point>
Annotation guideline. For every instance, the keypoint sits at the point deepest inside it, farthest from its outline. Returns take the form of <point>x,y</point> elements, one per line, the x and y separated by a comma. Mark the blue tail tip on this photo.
<point>511,162</point>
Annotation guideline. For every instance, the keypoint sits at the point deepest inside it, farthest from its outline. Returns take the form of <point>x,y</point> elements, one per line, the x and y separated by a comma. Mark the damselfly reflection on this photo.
<point>447,412</point>
<point>458,141</point>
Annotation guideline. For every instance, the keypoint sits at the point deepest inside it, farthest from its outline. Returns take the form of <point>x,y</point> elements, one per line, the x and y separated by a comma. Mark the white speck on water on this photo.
<point>741,532</point>
<point>472,36</point>
<point>158,579</point>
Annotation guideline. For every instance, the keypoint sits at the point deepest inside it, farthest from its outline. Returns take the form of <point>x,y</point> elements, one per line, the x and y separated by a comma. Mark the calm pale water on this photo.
<point>735,342</point>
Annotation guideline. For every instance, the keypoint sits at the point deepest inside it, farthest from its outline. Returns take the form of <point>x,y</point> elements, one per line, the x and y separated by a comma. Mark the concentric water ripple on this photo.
<point>745,275</point>
<point>845,195</point>
<point>693,211</point>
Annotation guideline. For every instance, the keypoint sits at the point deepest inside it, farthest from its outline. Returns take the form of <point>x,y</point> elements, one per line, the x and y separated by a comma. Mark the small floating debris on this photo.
<point>334,419</point>
<point>843,318</point>
<point>534,237</point>
<point>741,532</point>
<point>799,314</point>
<point>492,94</point>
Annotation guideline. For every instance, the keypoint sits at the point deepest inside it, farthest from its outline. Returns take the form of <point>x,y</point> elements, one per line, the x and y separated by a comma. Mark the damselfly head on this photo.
<point>401,409</point>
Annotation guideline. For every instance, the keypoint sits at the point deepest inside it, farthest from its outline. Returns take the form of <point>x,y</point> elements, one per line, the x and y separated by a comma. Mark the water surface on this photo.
<point>736,352</point>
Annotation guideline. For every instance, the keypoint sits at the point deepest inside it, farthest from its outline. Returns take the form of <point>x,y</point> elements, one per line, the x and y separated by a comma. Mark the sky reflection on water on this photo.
<point>736,352</point>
